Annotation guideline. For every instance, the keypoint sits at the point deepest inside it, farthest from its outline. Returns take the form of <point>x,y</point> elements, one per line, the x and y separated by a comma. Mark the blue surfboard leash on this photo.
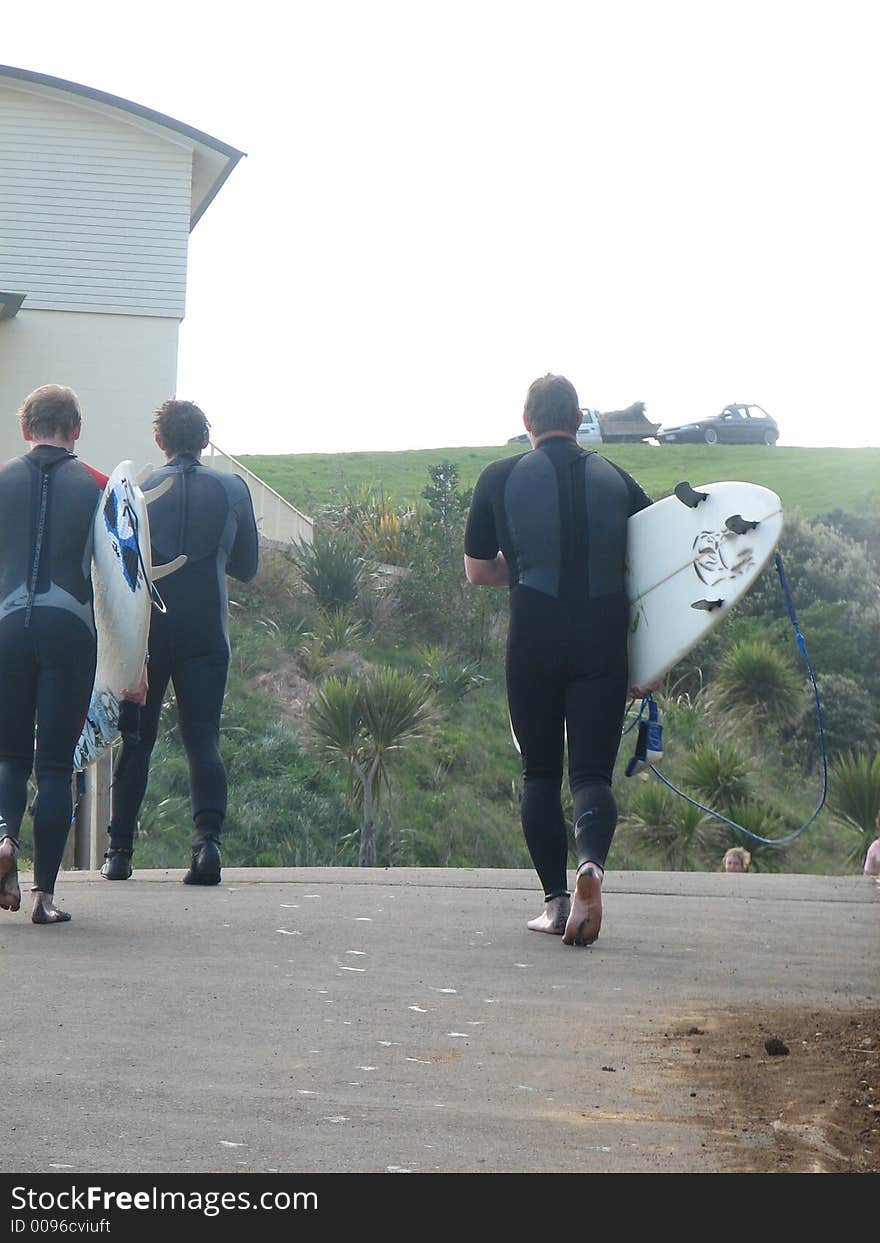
<point>650,741</point>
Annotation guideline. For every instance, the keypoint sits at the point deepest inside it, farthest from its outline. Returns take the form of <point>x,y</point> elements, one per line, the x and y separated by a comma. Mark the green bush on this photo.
<point>821,564</point>
<point>862,528</point>
<point>435,596</point>
<point>718,774</point>
<point>332,568</point>
<point>754,678</point>
<point>358,724</point>
<point>849,721</point>
<point>375,523</point>
<point>284,808</point>
<point>854,797</point>
<point>340,630</point>
<point>667,825</point>
<point>447,677</point>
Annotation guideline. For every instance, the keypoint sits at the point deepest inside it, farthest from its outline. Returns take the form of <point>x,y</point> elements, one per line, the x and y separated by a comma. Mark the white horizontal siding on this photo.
<point>122,367</point>
<point>94,212</point>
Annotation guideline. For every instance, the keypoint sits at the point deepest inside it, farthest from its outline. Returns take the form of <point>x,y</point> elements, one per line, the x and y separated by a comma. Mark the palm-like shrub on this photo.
<point>331,568</point>
<point>376,524</point>
<point>669,825</point>
<point>854,796</point>
<point>754,678</point>
<point>718,773</point>
<point>358,724</point>
<point>447,677</point>
<point>313,656</point>
<point>340,630</point>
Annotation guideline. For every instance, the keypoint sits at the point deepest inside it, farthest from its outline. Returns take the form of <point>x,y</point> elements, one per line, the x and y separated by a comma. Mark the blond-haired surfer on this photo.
<point>48,500</point>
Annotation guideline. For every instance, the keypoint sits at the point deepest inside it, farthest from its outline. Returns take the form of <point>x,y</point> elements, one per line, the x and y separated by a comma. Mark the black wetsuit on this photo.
<point>559,516</point>
<point>48,500</point>
<point>209,517</point>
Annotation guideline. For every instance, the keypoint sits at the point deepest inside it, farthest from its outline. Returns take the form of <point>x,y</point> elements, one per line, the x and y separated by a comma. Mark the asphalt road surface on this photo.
<point>346,1020</point>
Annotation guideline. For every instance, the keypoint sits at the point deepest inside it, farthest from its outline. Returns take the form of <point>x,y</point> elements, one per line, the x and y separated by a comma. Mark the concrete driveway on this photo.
<point>345,1020</point>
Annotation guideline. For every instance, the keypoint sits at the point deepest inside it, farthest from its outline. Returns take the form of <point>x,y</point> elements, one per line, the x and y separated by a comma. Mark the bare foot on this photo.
<point>585,919</point>
<point>44,910</point>
<point>553,917</point>
<point>10,894</point>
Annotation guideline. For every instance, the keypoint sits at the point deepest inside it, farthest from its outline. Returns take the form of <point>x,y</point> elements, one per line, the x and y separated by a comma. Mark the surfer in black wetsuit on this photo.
<point>551,525</point>
<point>209,517</point>
<point>48,500</point>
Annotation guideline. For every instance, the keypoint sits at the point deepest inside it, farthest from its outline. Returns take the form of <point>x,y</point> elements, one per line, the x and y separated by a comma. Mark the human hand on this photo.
<point>138,695</point>
<point>639,692</point>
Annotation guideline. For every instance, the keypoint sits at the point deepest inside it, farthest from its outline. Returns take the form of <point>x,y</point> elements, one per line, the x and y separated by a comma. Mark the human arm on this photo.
<point>244,556</point>
<point>638,497</point>
<point>484,563</point>
<point>493,573</point>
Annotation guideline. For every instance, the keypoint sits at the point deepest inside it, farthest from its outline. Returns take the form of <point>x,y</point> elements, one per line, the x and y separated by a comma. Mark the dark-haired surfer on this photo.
<point>551,525</point>
<point>48,500</point>
<point>209,517</point>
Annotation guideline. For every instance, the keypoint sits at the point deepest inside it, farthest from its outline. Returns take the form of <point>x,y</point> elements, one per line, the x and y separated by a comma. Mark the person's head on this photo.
<point>181,427</point>
<point>736,860</point>
<point>551,408</point>
<point>51,414</point>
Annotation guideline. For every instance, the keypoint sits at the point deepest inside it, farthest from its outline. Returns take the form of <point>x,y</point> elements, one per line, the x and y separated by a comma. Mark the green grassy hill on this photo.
<point>453,798</point>
<point>812,480</point>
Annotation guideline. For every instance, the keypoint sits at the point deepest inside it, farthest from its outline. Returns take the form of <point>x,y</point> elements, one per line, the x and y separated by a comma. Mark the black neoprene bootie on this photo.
<point>117,864</point>
<point>205,866</point>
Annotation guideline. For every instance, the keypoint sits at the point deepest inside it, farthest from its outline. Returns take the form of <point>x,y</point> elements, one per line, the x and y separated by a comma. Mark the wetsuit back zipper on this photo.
<point>38,547</point>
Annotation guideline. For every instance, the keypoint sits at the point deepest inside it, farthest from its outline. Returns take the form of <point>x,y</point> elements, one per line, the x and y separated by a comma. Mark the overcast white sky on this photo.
<point>665,200</point>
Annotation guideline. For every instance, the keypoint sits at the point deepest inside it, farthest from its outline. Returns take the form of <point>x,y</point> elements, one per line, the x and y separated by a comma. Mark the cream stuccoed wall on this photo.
<point>121,366</point>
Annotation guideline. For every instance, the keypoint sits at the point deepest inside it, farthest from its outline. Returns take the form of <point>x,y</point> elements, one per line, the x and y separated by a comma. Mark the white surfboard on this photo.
<point>122,578</point>
<point>688,562</point>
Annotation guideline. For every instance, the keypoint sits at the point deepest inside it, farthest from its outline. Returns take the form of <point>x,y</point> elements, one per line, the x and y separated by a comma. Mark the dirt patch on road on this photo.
<point>812,1109</point>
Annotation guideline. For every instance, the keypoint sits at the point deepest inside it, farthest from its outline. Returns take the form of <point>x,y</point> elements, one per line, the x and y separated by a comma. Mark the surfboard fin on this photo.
<point>688,496</point>
<point>162,571</point>
<point>739,525</point>
<point>708,605</point>
<point>153,494</point>
<point>144,475</point>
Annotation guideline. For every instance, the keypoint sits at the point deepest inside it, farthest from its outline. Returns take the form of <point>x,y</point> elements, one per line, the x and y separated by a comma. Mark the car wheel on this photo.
<point>769,437</point>
<point>711,436</point>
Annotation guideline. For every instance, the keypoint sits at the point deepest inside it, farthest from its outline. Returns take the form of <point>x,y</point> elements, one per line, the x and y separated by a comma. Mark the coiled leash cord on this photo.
<point>650,739</point>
